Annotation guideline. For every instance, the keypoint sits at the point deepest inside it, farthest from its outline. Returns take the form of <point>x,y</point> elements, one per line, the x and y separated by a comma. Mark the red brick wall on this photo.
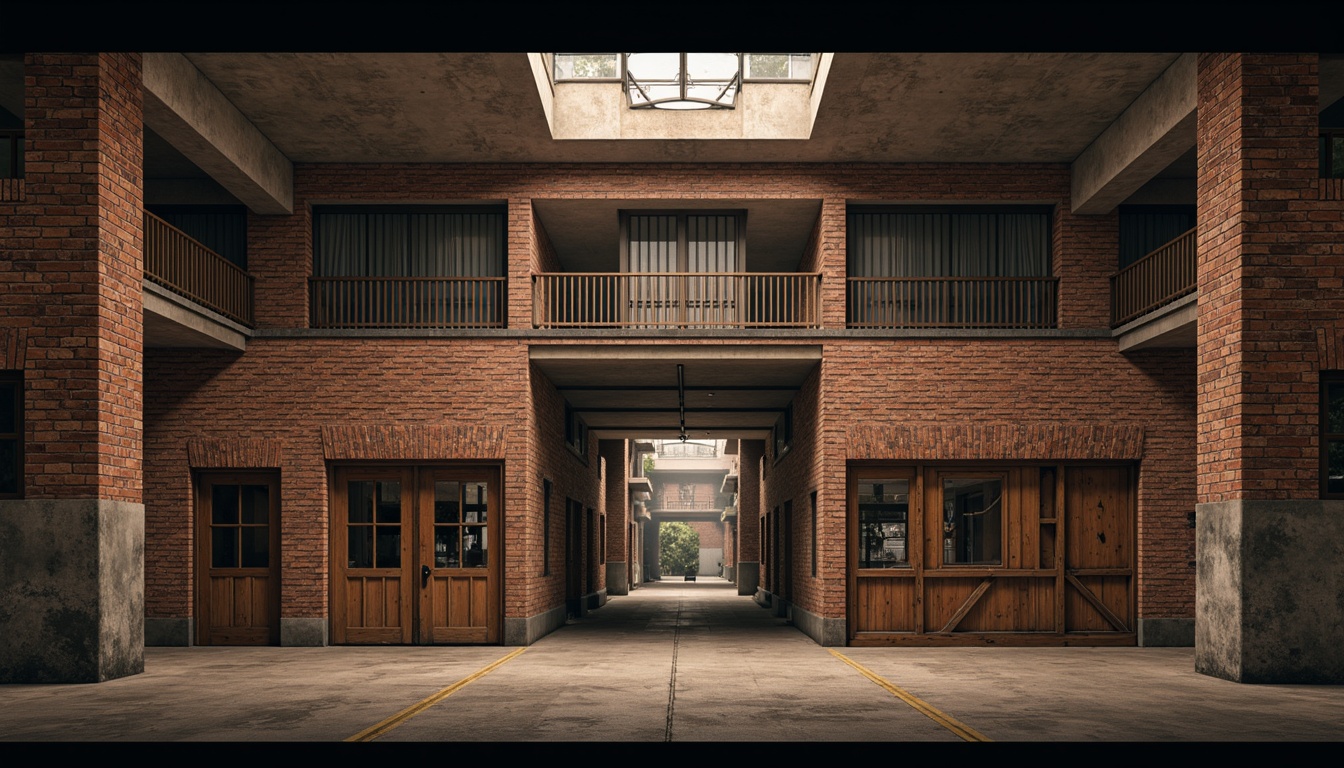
<point>617,497</point>
<point>749,506</point>
<point>792,478</point>
<point>1271,265</point>
<point>70,279</point>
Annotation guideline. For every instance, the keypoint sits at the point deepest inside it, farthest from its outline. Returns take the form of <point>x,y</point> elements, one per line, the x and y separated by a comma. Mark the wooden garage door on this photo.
<point>991,554</point>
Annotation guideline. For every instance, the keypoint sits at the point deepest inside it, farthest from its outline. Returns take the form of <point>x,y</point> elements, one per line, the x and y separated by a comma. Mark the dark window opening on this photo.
<point>1145,228</point>
<point>576,433</point>
<point>221,228</point>
<point>11,434</point>
<point>1332,434</point>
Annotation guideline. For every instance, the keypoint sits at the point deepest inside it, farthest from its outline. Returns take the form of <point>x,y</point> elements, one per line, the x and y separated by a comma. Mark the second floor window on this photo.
<point>943,243</point>
<point>408,268</point>
<point>408,243</point>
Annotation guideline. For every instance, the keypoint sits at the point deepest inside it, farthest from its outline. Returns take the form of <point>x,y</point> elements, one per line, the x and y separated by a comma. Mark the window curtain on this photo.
<point>890,244</point>
<point>409,245</point>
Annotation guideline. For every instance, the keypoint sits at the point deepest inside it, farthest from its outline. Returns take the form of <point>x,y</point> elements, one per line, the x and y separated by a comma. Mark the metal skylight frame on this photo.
<point>700,81</point>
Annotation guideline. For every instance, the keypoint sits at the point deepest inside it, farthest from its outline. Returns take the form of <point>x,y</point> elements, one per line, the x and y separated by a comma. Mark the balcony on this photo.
<point>1153,300</point>
<point>652,300</point>
<point>193,297</point>
<point>897,303</point>
<point>407,302</point>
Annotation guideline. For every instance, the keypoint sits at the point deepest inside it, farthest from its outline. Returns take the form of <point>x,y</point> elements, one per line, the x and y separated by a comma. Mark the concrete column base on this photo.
<point>170,632</point>
<point>1167,633</point>
<point>748,577</point>
<point>617,583</point>
<point>1269,591</point>
<point>304,633</point>
<point>529,629</point>
<point>72,601</point>
<point>827,632</point>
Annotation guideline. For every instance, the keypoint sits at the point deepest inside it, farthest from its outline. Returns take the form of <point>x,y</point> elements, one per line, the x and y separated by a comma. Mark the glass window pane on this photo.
<point>1334,407</point>
<point>256,547</point>
<point>446,547</point>
<point>447,502</point>
<point>389,548</point>
<point>768,65</point>
<point>586,65</point>
<point>256,504</point>
<point>475,507</point>
<point>9,392</point>
<point>389,502</point>
<point>883,516</point>
<point>224,504</point>
<point>473,547</point>
<point>9,466</point>
<point>801,66</point>
<point>360,547</point>
<point>1337,157</point>
<point>360,500</point>
<point>224,547</point>
<point>1335,467</point>
<point>972,520</point>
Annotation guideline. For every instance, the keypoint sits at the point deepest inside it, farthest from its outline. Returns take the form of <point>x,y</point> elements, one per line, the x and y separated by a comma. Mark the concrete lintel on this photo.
<point>1169,326</point>
<point>176,321</point>
<point>633,352</point>
<point>1155,130</point>
<point>190,113</point>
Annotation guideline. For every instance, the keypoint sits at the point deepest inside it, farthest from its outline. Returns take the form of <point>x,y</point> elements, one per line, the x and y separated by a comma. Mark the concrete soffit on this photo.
<point>190,113</point>
<point>541,73</point>
<point>1148,136</point>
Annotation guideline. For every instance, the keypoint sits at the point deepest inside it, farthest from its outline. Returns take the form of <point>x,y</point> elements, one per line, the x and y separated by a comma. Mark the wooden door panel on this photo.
<point>886,604</point>
<point>375,611</point>
<point>239,610</point>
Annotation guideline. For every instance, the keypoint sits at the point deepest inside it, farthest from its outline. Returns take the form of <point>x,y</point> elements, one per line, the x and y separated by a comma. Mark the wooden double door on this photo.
<point>984,554</point>
<point>416,556</point>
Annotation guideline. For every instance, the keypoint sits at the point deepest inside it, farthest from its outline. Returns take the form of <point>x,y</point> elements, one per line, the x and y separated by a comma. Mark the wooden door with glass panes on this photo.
<point>415,555</point>
<point>238,559</point>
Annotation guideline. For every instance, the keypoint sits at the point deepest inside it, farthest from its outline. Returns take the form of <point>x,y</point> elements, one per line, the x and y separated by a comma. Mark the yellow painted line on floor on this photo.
<point>369,734</point>
<point>947,721</point>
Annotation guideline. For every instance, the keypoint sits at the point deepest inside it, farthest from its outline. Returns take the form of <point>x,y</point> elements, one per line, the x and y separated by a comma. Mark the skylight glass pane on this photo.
<point>585,66</point>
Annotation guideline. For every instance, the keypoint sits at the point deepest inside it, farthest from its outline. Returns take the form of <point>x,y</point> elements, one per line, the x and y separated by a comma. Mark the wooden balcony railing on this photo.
<point>952,302</point>
<point>1155,280</point>
<point>676,300</point>
<point>182,265</point>
<point>407,302</point>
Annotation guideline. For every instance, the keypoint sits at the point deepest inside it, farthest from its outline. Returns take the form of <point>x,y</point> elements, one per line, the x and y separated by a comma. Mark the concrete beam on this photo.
<point>190,113</point>
<point>1155,130</point>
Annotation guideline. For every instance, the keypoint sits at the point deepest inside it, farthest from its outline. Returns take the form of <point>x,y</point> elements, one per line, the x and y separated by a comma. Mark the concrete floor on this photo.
<point>673,663</point>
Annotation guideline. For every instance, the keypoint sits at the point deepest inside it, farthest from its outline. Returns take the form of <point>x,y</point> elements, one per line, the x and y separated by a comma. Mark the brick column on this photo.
<point>1269,603</point>
<point>617,458</point>
<point>831,262</point>
<point>749,516</point>
<point>72,602</point>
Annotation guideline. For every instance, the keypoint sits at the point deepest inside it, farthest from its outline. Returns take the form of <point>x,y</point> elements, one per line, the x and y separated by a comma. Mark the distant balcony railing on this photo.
<point>676,300</point>
<point>1155,280</point>
<point>407,302</point>
<point>688,450</point>
<point>181,264</point>
<point>952,302</point>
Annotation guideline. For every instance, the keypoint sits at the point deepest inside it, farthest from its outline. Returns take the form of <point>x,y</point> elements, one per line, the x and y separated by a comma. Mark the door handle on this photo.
<point>424,575</point>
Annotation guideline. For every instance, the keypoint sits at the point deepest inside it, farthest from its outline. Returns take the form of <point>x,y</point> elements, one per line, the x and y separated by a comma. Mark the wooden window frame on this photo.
<point>940,476</point>
<point>16,378</point>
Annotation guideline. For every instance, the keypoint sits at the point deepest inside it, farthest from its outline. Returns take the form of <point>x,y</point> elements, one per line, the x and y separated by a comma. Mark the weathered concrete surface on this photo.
<point>72,590</point>
<point>1269,591</point>
<point>673,663</point>
<point>188,111</point>
<point>1152,132</point>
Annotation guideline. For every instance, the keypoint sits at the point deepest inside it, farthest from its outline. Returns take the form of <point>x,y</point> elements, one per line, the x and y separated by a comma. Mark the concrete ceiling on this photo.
<point>633,391</point>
